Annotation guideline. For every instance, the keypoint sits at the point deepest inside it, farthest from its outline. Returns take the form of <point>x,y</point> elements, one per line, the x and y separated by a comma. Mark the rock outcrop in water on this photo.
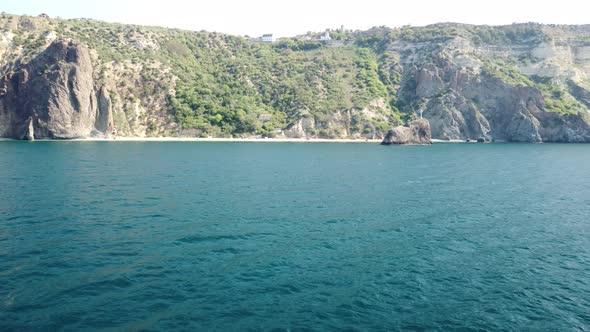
<point>416,133</point>
<point>79,78</point>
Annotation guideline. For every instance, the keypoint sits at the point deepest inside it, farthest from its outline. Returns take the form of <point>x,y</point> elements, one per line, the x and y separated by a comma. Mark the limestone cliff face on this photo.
<point>479,106</point>
<point>471,92</point>
<point>53,96</point>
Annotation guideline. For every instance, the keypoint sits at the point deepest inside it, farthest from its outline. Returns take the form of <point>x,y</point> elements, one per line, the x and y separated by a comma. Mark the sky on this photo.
<point>289,18</point>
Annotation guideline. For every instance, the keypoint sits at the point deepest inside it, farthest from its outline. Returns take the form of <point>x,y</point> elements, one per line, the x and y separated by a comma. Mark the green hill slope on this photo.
<point>524,82</point>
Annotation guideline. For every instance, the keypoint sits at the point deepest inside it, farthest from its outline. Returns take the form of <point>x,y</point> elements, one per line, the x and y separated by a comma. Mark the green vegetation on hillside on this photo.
<point>221,85</point>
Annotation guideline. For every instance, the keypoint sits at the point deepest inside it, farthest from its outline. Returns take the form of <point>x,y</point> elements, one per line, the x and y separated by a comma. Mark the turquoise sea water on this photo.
<point>250,236</point>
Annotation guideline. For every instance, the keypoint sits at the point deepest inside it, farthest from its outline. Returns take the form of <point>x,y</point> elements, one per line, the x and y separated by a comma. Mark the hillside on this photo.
<point>80,78</point>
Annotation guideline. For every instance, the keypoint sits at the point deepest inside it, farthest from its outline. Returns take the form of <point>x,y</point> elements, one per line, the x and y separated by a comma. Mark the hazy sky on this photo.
<point>291,17</point>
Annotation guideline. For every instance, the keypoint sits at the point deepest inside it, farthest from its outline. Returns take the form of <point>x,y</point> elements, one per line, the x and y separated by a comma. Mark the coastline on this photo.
<point>197,139</point>
<point>227,140</point>
<point>234,140</point>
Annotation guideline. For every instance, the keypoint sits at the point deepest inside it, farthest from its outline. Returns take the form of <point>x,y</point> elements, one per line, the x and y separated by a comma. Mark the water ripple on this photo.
<point>205,237</point>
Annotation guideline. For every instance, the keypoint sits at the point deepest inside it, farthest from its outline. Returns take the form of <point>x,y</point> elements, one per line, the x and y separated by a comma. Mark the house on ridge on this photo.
<point>268,38</point>
<point>325,37</point>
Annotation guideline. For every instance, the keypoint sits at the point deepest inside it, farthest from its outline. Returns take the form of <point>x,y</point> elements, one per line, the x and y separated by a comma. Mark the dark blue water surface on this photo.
<point>279,236</point>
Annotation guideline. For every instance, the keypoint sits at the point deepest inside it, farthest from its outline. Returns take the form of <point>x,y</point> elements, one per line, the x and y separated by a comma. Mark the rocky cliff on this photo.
<point>53,96</point>
<point>80,78</point>
<point>471,92</point>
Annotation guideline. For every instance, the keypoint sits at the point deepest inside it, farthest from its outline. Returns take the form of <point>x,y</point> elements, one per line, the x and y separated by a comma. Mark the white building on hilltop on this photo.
<point>268,38</point>
<point>325,37</point>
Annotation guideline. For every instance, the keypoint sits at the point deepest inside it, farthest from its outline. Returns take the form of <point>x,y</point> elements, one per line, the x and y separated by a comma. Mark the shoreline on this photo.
<point>226,140</point>
<point>211,139</point>
<point>230,140</point>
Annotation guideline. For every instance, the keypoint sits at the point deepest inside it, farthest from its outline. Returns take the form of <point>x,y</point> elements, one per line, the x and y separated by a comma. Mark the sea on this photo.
<point>216,236</point>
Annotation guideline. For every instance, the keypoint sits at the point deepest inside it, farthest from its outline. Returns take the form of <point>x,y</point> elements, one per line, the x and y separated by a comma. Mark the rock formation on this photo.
<point>416,133</point>
<point>53,96</point>
<point>478,105</point>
